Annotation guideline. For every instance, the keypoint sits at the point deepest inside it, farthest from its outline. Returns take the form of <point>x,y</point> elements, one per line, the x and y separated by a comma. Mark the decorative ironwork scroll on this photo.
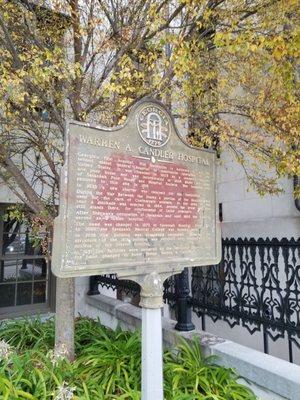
<point>256,285</point>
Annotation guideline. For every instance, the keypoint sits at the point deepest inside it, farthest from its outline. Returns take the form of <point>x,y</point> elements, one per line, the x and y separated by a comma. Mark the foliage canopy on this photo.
<point>228,67</point>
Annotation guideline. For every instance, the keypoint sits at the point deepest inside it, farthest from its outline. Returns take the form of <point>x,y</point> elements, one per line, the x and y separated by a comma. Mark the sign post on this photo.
<point>152,353</point>
<point>140,202</point>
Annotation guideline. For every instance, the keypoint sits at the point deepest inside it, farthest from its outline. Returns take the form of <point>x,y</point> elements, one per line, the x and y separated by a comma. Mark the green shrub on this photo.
<point>112,361</point>
<point>87,331</point>
<point>187,371</point>
<point>28,333</point>
<point>108,366</point>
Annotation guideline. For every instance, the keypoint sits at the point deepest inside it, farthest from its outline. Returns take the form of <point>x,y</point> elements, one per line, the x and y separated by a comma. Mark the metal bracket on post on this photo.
<point>184,313</point>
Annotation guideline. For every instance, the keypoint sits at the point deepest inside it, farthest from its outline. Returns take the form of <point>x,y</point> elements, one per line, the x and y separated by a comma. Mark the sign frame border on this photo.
<point>166,268</point>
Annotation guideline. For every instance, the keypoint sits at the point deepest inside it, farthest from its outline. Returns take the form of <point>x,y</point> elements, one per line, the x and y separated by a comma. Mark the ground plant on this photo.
<point>107,366</point>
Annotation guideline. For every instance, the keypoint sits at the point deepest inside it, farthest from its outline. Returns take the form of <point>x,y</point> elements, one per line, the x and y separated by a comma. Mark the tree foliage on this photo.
<point>228,67</point>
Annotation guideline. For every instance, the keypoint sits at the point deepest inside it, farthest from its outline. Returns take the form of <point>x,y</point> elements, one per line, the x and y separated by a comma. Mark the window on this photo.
<point>25,278</point>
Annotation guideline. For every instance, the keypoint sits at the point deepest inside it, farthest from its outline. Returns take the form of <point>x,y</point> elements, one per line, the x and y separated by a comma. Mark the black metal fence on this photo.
<point>256,286</point>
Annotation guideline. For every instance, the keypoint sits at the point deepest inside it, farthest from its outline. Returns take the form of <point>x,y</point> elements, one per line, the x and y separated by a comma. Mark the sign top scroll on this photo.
<point>135,199</point>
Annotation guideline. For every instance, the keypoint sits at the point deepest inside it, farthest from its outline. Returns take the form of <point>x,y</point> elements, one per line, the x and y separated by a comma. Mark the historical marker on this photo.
<point>138,201</point>
<point>135,199</point>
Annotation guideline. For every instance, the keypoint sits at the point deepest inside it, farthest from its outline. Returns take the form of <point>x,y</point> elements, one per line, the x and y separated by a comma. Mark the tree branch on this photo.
<point>32,200</point>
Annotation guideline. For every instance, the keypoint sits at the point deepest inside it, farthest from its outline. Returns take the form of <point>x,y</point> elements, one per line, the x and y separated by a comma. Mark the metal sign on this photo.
<point>135,199</point>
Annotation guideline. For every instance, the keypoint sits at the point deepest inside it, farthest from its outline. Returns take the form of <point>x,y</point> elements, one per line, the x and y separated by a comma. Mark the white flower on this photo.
<point>65,392</point>
<point>57,355</point>
<point>5,350</point>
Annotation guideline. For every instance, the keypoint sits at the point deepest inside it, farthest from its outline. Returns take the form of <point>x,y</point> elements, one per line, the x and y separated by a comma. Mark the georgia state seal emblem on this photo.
<point>154,126</point>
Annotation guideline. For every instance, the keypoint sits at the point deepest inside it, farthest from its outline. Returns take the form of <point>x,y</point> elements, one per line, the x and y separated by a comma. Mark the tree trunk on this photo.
<point>64,318</point>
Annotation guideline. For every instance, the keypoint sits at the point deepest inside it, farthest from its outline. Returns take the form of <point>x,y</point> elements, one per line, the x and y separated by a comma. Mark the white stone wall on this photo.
<point>246,214</point>
<point>81,290</point>
<point>6,195</point>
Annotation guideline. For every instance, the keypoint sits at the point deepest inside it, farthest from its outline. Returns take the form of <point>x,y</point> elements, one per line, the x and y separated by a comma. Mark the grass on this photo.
<point>107,366</point>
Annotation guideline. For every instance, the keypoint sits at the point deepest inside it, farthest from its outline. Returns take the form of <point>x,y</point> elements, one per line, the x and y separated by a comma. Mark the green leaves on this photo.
<point>187,371</point>
<point>108,366</point>
<point>28,333</point>
<point>112,361</point>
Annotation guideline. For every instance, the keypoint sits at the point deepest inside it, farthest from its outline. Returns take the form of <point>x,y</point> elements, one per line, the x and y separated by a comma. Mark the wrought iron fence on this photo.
<point>111,281</point>
<point>256,286</point>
